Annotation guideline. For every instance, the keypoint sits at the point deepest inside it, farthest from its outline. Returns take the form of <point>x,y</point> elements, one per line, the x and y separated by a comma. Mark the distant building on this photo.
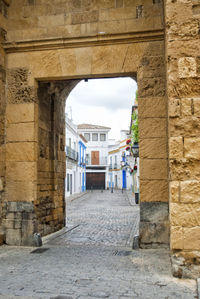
<point>96,155</point>
<point>82,163</point>
<point>121,163</point>
<point>75,160</point>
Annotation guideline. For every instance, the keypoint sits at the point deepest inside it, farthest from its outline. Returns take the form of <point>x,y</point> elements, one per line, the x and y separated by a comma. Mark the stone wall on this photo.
<point>41,20</point>
<point>60,40</point>
<point>154,208</point>
<point>182,55</point>
<point>50,203</point>
<point>3,35</point>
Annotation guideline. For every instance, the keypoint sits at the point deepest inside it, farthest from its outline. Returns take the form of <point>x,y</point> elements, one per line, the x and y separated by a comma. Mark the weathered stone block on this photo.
<point>154,235</point>
<point>21,132</point>
<point>151,66</point>
<point>53,20</point>
<point>186,107</point>
<point>86,17</point>
<point>190,191</point>
<point>187,127</point>
<point>21,151</point>
<point>153,148</point>
<point>13,237</point>
<point>152,127</point>
<point>187,67</point>
<point>191,238</point>
<point>185,215</point>
<point>174,108</point>
<point>183,87</point>
<point>192,148</point>
<point>153,169</point>
<point>184,169</point>
<point>175,147</point>
<point>21,171</point>
<point>176,237</point>
<point>8,223</point>
<point>19,113</point>
<point>152,107</point>
<point>20,207</point>
<point>154,190</point>
<point>21,191</point>
<point>174,191</point>
<point>196,103</point>
<point>154,212</point>
<point>152,87</point>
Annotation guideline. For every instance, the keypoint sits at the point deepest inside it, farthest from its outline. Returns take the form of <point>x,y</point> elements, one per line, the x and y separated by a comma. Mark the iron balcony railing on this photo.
<point>114,166</point>
<point>72,154</point>
<point>102,161</point>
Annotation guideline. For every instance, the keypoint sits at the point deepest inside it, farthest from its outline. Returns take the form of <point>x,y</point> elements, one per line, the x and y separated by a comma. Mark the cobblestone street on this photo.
<point>92,258</point>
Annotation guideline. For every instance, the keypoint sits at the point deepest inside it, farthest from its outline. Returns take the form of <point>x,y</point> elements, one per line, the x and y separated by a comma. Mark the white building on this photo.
<point>121,163</point>
<point>75,163</point>
<point>96,155</point>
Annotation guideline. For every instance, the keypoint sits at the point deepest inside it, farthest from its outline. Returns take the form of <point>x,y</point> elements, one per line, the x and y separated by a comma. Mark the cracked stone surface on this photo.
<point>93,260</point>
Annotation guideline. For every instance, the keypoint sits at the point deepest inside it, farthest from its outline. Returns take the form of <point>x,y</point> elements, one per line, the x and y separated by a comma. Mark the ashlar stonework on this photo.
<point>46,47</point>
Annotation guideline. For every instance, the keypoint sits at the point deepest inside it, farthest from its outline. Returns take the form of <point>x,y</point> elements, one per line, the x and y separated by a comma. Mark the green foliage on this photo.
<point>134,130</point>
<point>134,127</point>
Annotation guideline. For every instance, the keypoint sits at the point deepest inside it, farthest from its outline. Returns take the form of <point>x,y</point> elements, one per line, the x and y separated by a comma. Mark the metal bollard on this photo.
<point>101,189</point>
<point>111,189</point>
<point>122,190</point>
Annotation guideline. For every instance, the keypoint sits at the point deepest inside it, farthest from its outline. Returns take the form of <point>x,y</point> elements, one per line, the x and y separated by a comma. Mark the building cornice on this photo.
<point>87,41</point>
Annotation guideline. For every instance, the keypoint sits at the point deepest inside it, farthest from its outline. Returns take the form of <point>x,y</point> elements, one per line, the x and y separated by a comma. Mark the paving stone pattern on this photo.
<point>94,260</point>
<point>101,218</point>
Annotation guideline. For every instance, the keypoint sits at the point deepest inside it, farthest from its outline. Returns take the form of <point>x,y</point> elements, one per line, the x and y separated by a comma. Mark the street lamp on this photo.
<point>135,150</point>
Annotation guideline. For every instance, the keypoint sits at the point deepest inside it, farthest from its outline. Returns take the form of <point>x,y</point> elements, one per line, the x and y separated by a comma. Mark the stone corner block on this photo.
<point>154,211</point>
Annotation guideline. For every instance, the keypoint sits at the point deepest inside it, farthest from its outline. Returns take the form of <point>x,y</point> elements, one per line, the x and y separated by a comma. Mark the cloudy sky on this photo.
<point>105,102</point>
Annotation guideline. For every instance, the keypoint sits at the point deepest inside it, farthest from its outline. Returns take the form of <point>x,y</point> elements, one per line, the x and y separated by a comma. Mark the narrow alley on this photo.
<point>92,258</point>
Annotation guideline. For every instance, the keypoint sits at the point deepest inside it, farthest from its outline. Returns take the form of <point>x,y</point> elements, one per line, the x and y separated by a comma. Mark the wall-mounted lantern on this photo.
<point>135,150</point>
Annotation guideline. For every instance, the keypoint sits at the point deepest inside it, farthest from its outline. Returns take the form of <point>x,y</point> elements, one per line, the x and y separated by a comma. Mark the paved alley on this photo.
<point>92,258</point>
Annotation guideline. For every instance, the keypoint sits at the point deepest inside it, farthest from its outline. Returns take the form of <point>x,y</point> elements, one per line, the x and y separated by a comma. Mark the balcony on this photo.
<point>114,166</point>
<point>102,161</point>
<point>72,154</point>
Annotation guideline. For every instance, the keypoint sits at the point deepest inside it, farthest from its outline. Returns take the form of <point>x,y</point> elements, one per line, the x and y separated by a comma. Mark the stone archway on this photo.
<point>38,83</point>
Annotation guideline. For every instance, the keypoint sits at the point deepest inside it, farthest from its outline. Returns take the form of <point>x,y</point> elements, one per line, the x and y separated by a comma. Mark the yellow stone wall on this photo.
<point>182,55</point>
<point>40,20</point>
<point>3,33</point>
<point>62,40</point>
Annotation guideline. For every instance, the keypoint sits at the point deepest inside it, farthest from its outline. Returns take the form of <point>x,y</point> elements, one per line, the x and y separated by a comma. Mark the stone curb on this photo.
<point>19,297</point>
<point>57,234</point>
<point>131,200</point>
<point>198,288</point>
<point>76,196</point>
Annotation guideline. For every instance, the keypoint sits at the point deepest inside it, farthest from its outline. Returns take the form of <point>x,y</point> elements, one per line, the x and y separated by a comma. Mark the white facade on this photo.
<point>121,177</point>
<point>74,171</point>
<point>97,149</point>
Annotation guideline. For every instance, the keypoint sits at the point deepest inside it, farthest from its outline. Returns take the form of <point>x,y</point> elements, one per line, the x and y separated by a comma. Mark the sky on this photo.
<point>104,102</point>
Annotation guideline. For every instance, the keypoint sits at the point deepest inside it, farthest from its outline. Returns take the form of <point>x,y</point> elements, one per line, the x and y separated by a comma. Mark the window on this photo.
<point>70,142</point>
<point>102,137</point>
<point>94,137</point>
<point>87,136</point>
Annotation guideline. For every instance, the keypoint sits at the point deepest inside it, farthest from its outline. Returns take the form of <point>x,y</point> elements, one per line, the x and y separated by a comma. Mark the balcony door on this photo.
<point>95,157</point>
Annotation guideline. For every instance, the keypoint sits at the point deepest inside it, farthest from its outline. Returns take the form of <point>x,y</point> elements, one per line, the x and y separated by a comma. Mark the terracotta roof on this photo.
<point>88,126</point>
<point>83,138</point>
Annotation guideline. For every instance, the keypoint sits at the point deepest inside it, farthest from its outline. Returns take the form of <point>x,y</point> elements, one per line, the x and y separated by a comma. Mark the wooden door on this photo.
<point>95,180</point>
<point>95,157</point>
